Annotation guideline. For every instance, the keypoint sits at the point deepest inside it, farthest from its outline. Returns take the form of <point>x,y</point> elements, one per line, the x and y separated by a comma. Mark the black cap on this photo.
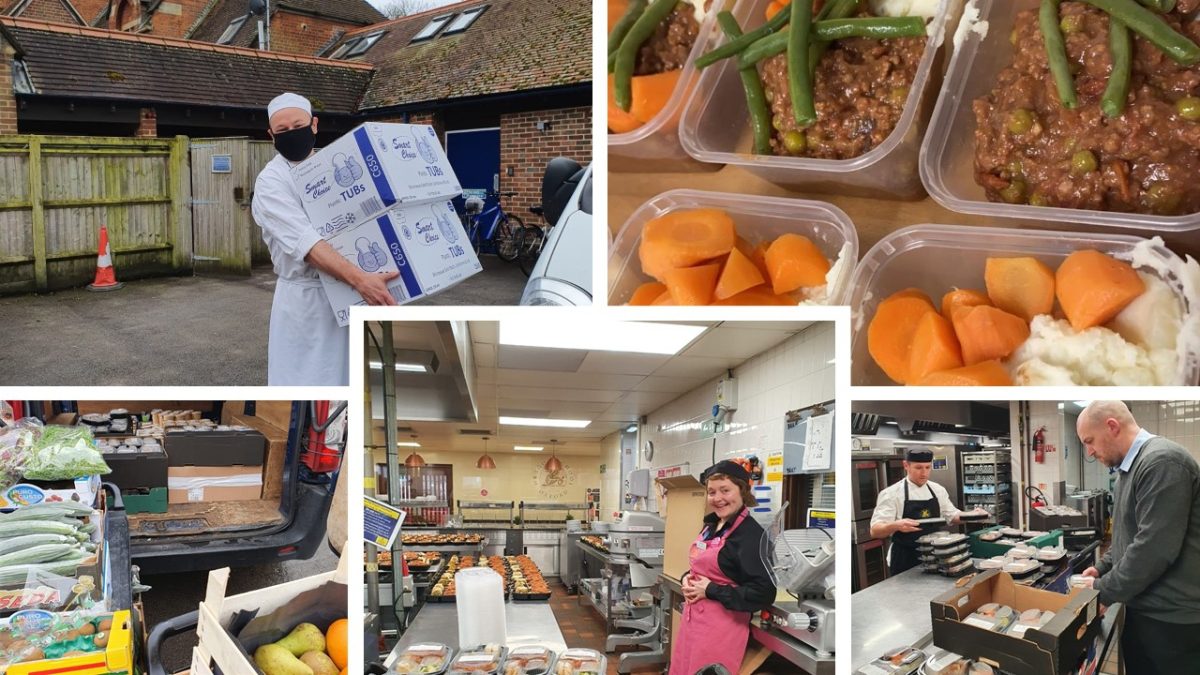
<point>731,469</point>
<point>918,455</point>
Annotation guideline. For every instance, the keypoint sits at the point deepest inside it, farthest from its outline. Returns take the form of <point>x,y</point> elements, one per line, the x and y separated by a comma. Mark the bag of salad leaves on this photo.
<point>64,453</point>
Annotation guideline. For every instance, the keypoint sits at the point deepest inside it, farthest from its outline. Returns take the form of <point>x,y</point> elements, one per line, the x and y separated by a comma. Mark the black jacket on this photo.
<point>741,561</point>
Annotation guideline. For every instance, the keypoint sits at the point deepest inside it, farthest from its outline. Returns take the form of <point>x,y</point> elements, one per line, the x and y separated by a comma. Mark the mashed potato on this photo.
<point>1055,354</point>
<point>819,295</point>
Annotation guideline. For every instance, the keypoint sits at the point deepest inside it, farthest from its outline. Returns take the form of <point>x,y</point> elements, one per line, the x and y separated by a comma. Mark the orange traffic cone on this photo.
<point>106,278</point>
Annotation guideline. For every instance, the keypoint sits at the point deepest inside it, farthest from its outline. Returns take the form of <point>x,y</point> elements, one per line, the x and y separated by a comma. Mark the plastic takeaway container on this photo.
<point>757,218</point>
<point>716,125</point>
<point>655,144</point>
<point>937,258</point>
<point>948,153</point>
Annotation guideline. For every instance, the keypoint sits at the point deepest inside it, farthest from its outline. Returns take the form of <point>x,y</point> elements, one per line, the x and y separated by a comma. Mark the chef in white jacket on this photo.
<point>305,347</point>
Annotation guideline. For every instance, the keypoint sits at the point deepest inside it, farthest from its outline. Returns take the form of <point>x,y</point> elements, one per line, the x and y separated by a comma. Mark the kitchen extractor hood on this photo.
<point>916,418</point>
<point>445,390</point>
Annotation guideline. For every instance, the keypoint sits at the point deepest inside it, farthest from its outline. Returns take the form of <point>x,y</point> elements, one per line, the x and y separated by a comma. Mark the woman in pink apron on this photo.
<point>727,580</point>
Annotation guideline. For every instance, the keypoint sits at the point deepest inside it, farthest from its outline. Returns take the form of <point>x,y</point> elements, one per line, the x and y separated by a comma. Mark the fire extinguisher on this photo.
<point>1039,446</point>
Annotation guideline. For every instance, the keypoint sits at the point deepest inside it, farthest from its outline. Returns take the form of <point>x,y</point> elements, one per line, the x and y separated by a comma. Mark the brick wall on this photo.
<point>125,15</point>
<point>147,124</point>
<point>528,150</point>
<point>48,10</point>
<point>174,17</point>
<point>8,103</point>
<point>304,35</point>
<point>89,9</point>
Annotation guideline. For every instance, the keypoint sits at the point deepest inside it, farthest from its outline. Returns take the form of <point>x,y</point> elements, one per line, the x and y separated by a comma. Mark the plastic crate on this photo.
<point>989,549</point>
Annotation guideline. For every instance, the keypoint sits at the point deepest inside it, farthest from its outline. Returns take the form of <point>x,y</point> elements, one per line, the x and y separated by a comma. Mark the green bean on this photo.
<point>1056,54</point>
<point>1151,26</point>
<point>1160,6</point>
<point>612,62</point>
<point>630,17</point>
<point>834,9</point>
<point>641,31</point>
<point>1121,47</point>
<point>756,100</point>
<point>1188,108</point>
<point>735,46</point>
<point>879,28</point>
<point>799,81</point>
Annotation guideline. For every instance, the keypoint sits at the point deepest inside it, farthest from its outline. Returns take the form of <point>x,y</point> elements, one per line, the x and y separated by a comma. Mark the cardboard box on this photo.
<point>82,490</point>
<point>189,484</point>
<point>273,467</point>
<point>426,244</point>
<point>1055,648</point>
<point>137,470</point>
<point>683,508</point>
<point>371,169</point>
<point>214,448</point>
<point>276,413</point>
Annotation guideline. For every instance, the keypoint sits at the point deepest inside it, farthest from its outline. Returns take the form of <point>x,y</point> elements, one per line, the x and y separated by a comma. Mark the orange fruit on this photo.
<point>335,643</point>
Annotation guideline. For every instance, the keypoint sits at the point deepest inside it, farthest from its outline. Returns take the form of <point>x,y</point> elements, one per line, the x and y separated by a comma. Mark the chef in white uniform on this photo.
<point>305,347</point>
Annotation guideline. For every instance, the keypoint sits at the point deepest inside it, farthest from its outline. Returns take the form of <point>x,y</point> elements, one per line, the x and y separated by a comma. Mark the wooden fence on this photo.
<point>227,240</point>
<point>56,192</point>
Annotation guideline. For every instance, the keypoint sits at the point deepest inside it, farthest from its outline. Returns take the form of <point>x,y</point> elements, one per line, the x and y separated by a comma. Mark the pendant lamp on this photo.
<point>414,461</point>
<point>553,464</point>
<point>485,462</point>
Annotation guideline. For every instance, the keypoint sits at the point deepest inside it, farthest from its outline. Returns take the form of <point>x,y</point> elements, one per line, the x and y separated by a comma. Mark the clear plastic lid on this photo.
<point>580,661</point>
<point>948,151</point>
<point>429,658</point>
<point>715,126</point>
<point>758,219</point>
<point>938,258</point>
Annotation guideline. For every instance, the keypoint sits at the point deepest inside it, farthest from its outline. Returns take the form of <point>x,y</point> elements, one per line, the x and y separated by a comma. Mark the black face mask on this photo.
<point>297,144</point>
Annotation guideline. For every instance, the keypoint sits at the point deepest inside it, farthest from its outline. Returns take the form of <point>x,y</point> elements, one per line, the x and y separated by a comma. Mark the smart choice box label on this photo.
<point>426,244</point>
<point>373,168</point>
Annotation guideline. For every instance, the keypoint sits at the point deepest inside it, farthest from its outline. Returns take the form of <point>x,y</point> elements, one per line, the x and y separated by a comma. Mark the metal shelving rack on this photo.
<point>581,508</point>
<point>486,507</point>
<point>987,482</point>
<point>606,592</point>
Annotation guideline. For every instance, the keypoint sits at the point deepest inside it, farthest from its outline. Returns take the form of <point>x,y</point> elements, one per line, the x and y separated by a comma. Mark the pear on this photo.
<point>320,663</point>
<point>275,660</point>
<point>303,638</point>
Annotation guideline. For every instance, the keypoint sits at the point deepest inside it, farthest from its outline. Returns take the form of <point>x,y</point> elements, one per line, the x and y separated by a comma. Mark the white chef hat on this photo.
<point>288,100</point>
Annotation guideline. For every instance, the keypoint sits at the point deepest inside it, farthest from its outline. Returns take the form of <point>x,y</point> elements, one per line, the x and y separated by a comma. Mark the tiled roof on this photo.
<point>215,23</point>
<point>515,45</point>
<point>354,11</point>
<point>93,63</point>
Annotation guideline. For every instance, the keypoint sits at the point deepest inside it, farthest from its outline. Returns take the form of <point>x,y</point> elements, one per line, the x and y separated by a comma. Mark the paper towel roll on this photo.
<point>480,607</point>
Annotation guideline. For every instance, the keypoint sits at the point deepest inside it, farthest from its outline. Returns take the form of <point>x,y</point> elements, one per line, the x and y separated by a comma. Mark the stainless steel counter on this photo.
<point>528,623</point>
<point>893,613</point>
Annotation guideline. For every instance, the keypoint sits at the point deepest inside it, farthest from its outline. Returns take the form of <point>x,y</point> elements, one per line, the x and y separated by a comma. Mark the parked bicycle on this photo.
<point>559,181</point>
<point>490,227</point>
<point>531,240</point>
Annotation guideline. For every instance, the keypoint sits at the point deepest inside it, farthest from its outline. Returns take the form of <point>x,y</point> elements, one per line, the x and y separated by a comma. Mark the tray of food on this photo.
<point>429,658</point>
<point>579,661</point>
<point>529,660</point>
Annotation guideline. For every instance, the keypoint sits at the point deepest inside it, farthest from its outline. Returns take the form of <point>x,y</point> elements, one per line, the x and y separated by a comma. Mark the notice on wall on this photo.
<point>381,523</point>
<point>818,455</point>
<point>775,468</point>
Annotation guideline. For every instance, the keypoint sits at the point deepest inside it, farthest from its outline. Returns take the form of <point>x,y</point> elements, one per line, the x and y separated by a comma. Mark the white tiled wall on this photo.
<point>1176,420</point>
<point>792,375</point>
<point>610,480</point>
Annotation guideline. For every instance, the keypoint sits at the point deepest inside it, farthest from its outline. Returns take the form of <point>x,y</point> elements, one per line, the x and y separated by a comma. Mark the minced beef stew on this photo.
<point>860,89</point>
<point>668,48</point>
<point>1029,149</point>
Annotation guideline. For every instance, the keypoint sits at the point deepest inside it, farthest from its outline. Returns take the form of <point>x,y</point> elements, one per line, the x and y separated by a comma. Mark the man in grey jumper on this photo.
<point>1153,566</point>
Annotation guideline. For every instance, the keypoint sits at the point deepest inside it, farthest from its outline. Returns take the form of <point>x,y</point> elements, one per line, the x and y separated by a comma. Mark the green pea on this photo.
<point>769,95</point>
<point>1020,121</point>
<point>1038,199</point>
<point>1014,193</point>
<point>1072,23</point>
<point>1012,37</point>
<point>1188,108</point>
<point>1083,162</point>
<point>777,122</point>
<point>1162,198</point>
<point>898,96</point>
<point>794,142</point>
<point>1016,169</point>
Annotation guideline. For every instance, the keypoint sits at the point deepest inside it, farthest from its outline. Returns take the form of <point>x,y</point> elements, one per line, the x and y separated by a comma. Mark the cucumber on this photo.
<point>39,554</point>
<point>58,508</point>
<point>30,540</point>
<point>18,573</point>
<point>16,528</point>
